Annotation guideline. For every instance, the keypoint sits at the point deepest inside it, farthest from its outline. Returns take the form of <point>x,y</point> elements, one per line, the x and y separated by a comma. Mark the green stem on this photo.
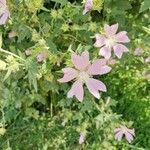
<point>73,37</point>
<point>7,52</point>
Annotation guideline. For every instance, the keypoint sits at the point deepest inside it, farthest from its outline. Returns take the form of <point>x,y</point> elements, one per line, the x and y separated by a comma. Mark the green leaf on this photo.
<point>7,74</point>
<point>145,5</point>
<point>62,2</point>
<point>32,72</point>
<point>1,40</point>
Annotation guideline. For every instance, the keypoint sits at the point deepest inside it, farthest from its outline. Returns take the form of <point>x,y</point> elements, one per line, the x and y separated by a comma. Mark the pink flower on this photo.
<point>41,56</point>
<point>88,6</point>
<point>111,40</point>
<point>83,73</point>
<point>81,138</point>
<point>4,12</point>
<point>138,51</point>
<point>123,130</point>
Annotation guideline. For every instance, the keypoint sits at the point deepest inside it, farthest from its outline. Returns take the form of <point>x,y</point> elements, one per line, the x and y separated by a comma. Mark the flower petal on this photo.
<point>117,130</point>
<point>105,52</point>
<point>4,17</point>
<point>99,67</point>
<point>81,138</point>
<point>110,30</point>
<point>128,136</point>
<point>3,2</point>
<point>88,6</point>
<point>119,49</point>
<point>119,135</point>
<point>76,90</point>
<point>131,131</point>
<point>122,37</point>
<point>81,62</point>
<point>69,74</point>
<point>100,40</point>
<point>94,86</point>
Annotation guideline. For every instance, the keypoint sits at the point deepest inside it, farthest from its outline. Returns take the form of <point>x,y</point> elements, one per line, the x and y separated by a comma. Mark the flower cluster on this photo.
<point>111,40</point>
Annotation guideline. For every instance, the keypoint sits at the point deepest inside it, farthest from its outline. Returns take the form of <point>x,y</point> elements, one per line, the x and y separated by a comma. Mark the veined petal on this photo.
<point>4,17</point>
<point>88,6</point>
<point>100,40</point>
<point>3,2</point>
<point>131,131</point>
<point>119,135</point>
<point>99,67</point>
<point>94,86</point>
<point>69,74</point>
<point>76,90</point>
<point>81,62</point>
<point>122,37</point>
<point>81,138</point>
<point>117,130</point>
<point>110,30</point>
<point>128,136</point>
<point>105,52</point>
<point>119,49</point>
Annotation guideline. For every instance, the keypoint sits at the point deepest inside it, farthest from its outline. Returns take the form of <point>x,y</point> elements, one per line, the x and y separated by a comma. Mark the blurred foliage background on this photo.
<point>34,110</point>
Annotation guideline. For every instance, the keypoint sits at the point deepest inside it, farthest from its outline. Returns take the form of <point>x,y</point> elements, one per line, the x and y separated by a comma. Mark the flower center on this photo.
<point>83,76</point>
<point>110,42</point>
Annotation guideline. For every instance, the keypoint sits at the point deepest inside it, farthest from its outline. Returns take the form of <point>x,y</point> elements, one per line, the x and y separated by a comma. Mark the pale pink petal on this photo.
<point>105,52</point>
<point>94,86</point>
<point>131,131</point>
<point>117,130</point>
<point>110,30</point>
<point>80,62</point>
<point>69,74</point>
<point>81,138</point>
<point>122,37</point>
<point>4,17</point>
<point>100,40</point>
<point>119,135</point>
<point>88,6</point>
<point>99,67</point>
<point>128,136</point>
<point>41,56</point>
<point>76,90</point>
<point>3,2</point>
<point>119,49</point>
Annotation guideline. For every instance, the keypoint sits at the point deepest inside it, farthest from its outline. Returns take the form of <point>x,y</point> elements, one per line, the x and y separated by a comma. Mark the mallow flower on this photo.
<point>124,131</point>
<point>138,51</point>
<point>4,12</point>
<point>88,6</point>
<point>81,138</point>
<point>111,40</point>
<point>83,73</point>
<point>40,57</point>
